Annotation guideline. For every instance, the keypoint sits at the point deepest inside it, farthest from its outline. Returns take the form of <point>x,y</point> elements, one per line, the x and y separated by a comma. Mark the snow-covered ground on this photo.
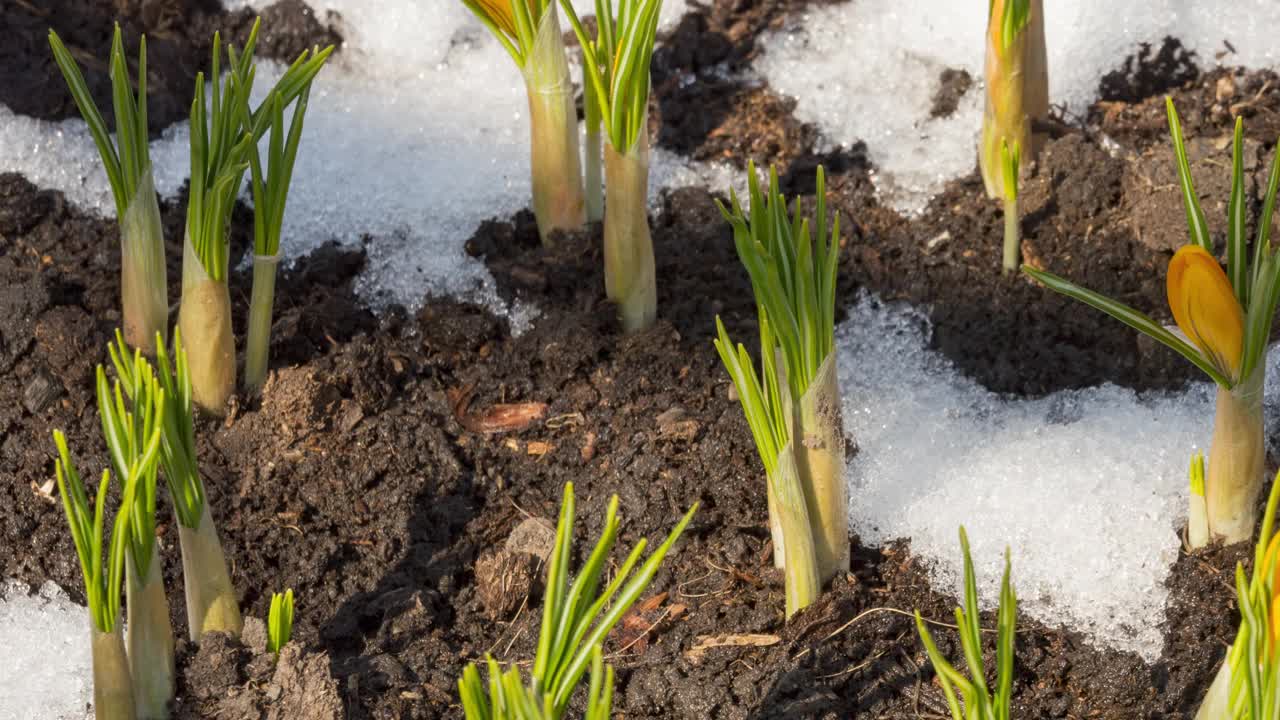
<point>417,132</point>
<point>868,70</point>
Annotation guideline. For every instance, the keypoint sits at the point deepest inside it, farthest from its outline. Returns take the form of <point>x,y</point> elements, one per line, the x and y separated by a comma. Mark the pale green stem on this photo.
<point>211,598</point>
<point>593,149</point>
<point>820,460</point>
<point>595,176</point>
<point>258,346</point>
<point>1236,457</point>
<point>112,687</point>
<point>144,287</point>
<point>150,640</point>
<point>205,320</point>
<point>1217,701</point>
<point>801,566</point>
<point>775,531</point>
<point>555,164</point>
<point>1012,235</point>
<point>629,280</point>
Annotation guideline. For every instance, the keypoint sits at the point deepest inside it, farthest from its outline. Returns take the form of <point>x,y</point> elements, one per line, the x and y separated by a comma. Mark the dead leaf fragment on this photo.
<point>708,642</point>
<point>499,418</point>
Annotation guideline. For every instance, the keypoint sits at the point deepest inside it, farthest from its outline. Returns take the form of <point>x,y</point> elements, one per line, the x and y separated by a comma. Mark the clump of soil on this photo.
<point>372,477</point>
<point>179,40</point>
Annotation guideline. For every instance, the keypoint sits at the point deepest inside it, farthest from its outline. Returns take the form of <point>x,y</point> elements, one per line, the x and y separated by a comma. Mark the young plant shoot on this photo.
<point>280,621</point>
<point>128,428</point>
<point>979,702</point>
<point>1017,93</point>
<point>113,687</point>
<point>574,625</point>
<point>795,414</point>
<point>617,68</point>
<point>530,31</point>
<point>144,294</point>
<point>1225,319</point>
<point>270,193</point>
<point>594,123</point>
<point>211,599</point>
<point>221,142</point>
<point>1247,686</point>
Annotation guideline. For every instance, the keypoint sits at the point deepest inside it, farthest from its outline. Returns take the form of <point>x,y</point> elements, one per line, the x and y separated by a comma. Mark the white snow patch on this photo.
<point>52,677</point>
<point>1085,486</point>
<point>416,133</point>
<point>868,70</point>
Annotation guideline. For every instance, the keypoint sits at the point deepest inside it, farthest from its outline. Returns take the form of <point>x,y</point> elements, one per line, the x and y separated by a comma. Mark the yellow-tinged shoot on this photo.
<point>1206,309</point>
<point>500,12</point>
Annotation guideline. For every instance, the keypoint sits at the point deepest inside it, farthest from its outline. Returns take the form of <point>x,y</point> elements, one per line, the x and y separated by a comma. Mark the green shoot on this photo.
<point>223,137</point>
<point>270,193</point>
<point>530,32</point>
<point>144,293</point>
<point>1017,94</point>
<point>211,599</point>
<point>102,582</point>
<point>793,273</point>
<point>113,684</point>
<point>1010,160</point>
<point>575,622</point>
<point>616,70</point>
<point>1225,319</point>
<point>617,64</point>
<point>789,407</point>
<point>980,703</point>
<point>280,621</point>
<point>128,427</point>
<point>1245,687</point>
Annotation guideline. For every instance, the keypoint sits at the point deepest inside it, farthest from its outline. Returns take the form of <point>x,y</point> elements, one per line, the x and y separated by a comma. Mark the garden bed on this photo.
<point>370,476</point>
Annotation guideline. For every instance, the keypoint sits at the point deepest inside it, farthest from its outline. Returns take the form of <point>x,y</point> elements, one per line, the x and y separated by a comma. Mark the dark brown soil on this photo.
<point>356,480</point>
<point>179,39</point>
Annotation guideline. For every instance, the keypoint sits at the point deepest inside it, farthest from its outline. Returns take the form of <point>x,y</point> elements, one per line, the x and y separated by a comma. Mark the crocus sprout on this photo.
<point>979,701</point>
<point>1016,93</point>
<point>1246,685</point>
<point>793,406</point>
<point>211,599</point>
<point>143,285</point>
<point>530,32</point>
<point>128,425</point>
<point>270,183</point>
<point>280,621</point>
<point>1225,321</point>
<point>616,68</point>
<point>113,687</point>
<point>221,141</point>
<point>575,620</point>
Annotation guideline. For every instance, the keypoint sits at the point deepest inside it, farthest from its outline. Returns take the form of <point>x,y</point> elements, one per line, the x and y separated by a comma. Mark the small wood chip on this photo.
<point>708,642</point>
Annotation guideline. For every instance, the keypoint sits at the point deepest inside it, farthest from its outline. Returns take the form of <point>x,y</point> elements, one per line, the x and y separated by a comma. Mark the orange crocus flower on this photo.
<point>1206,309</point>
<point>502,15</point>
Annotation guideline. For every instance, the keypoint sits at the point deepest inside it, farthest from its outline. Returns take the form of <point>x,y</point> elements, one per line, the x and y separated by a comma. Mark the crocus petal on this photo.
<point>1205,307</point>
<point>499,12</point>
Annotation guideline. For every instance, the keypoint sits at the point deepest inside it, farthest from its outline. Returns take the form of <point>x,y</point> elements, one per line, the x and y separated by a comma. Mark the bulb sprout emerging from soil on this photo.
<point>979,700</point>
<point>133,412</point>
<point>1243,687</point>
<point>530,32</point>
<point>793,406</point>
<point>576,618</point>
<point>223,146</point>
<point>270,185</point>
<point>1225,320</point>
<point>113,682</point>
<point>211,598</point>
<point>143,285</point>
<point>616,72</point>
